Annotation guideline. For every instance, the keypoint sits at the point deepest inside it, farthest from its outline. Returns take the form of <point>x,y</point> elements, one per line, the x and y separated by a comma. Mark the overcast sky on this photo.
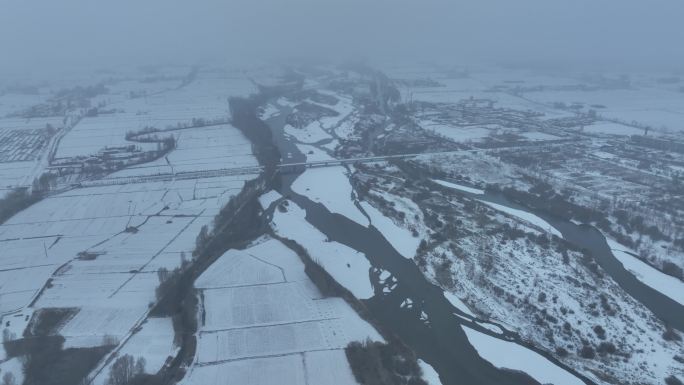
<point>604,34</point>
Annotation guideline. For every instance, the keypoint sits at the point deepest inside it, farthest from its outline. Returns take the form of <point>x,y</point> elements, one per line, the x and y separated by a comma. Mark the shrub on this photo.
<point>15,201</point>
<point>673,270</point>
<point>600,332</point>
<point>561,352</point>
<point>377,363</point>
<point>606,348</point>
<point>587,352</point>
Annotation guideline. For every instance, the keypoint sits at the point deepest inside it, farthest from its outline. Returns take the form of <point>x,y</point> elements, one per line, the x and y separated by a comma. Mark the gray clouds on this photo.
<point>602,33</point>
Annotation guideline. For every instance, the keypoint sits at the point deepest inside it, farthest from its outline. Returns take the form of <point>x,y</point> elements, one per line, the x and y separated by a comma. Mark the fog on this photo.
<point>38,35</point>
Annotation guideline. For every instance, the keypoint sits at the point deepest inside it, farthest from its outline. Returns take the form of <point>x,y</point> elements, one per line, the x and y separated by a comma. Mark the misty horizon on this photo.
<point>609,35</point>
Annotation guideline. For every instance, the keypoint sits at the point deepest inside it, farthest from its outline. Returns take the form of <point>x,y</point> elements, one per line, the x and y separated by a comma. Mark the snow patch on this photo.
<point>268,198</point>
<point>400,238</point>
<point>525,216</point>
<point>458,304</point>
<point>669,286</point>
<point>459,187</point>
<point>349,267</point>
<point>509,355</point>
<point>330,186</point>
<point>429,374</point>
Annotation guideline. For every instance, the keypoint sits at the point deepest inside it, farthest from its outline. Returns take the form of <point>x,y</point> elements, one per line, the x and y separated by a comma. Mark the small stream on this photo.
<point>439,340</point>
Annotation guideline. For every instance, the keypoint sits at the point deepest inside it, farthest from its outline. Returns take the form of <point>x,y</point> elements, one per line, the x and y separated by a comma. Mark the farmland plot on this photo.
<point>23,142</point>
<point>98,249</point>
<point>273,319</point>
<point>153,342</point>
<point>222,146</point>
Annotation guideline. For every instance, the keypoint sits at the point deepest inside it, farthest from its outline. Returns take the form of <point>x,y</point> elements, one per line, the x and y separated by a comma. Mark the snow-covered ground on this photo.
<point>25,145</point>
<point>122,277</point>
<point>457,303</point>
<point>509,355</point>
<point>205,98</point>
<point>99,249</point>
<point>398,236</point>
<point>330,186</point>
<point>269,111</point>
<point>457,134</point>
<point>525,216</point>
<point>429,374</point>
<point>539,136</point>
<point>199,149</point>
<point>668,285</point>
<point>15,367</point>
<point>313,153</point>
<point>512,277</point>
<point>657,107</point>
<point>268,198</point>
<point>459,187</point>
<point>312,133</point>
<point>14,174</point>
<point>349,267</point>
<point>154,343</point>
<point>611,128</point>
<point>266,323</point>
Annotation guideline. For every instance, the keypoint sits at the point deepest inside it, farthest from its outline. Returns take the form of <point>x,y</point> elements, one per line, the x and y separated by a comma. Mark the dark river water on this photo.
<point>440,341</point>
<point>588,237</point>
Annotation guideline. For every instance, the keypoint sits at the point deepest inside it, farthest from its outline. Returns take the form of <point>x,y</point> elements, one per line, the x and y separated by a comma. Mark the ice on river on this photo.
<point>330,186</point>
<point>509,355</point>
<point>525,216</point>
<point>667,285</point>
<point>349,267</point>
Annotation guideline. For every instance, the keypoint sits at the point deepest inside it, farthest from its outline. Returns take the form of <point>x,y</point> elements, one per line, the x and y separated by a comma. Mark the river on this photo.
<point>590,238</point>
<point>440,341</point>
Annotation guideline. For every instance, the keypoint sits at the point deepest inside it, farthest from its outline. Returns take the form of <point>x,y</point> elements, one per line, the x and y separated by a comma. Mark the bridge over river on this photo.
<point>282,167</point>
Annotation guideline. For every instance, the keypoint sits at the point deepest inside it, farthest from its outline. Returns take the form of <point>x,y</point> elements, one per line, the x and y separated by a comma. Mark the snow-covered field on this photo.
<point>24,144</point>
<point>167,217</point>
<point>611,128</point>
<point>457,134</point>
<point>153,342</point>
<point>266,323</point>
<point>14,174</point>
<point>205,98</point>
<point>98,249</point>
<point>658,107</point>
<point>200,149</point>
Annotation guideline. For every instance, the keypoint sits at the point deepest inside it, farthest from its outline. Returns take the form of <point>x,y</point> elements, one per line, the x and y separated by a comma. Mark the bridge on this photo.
<point>282,167</point>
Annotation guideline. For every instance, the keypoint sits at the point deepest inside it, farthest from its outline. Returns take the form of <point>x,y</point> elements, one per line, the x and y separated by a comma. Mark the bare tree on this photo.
<point>125,369</point>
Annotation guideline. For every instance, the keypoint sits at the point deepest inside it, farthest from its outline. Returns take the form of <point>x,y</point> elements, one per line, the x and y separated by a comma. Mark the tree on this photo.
<point>163,274</point>
<point>125,369</point>
<point>202,240</point>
